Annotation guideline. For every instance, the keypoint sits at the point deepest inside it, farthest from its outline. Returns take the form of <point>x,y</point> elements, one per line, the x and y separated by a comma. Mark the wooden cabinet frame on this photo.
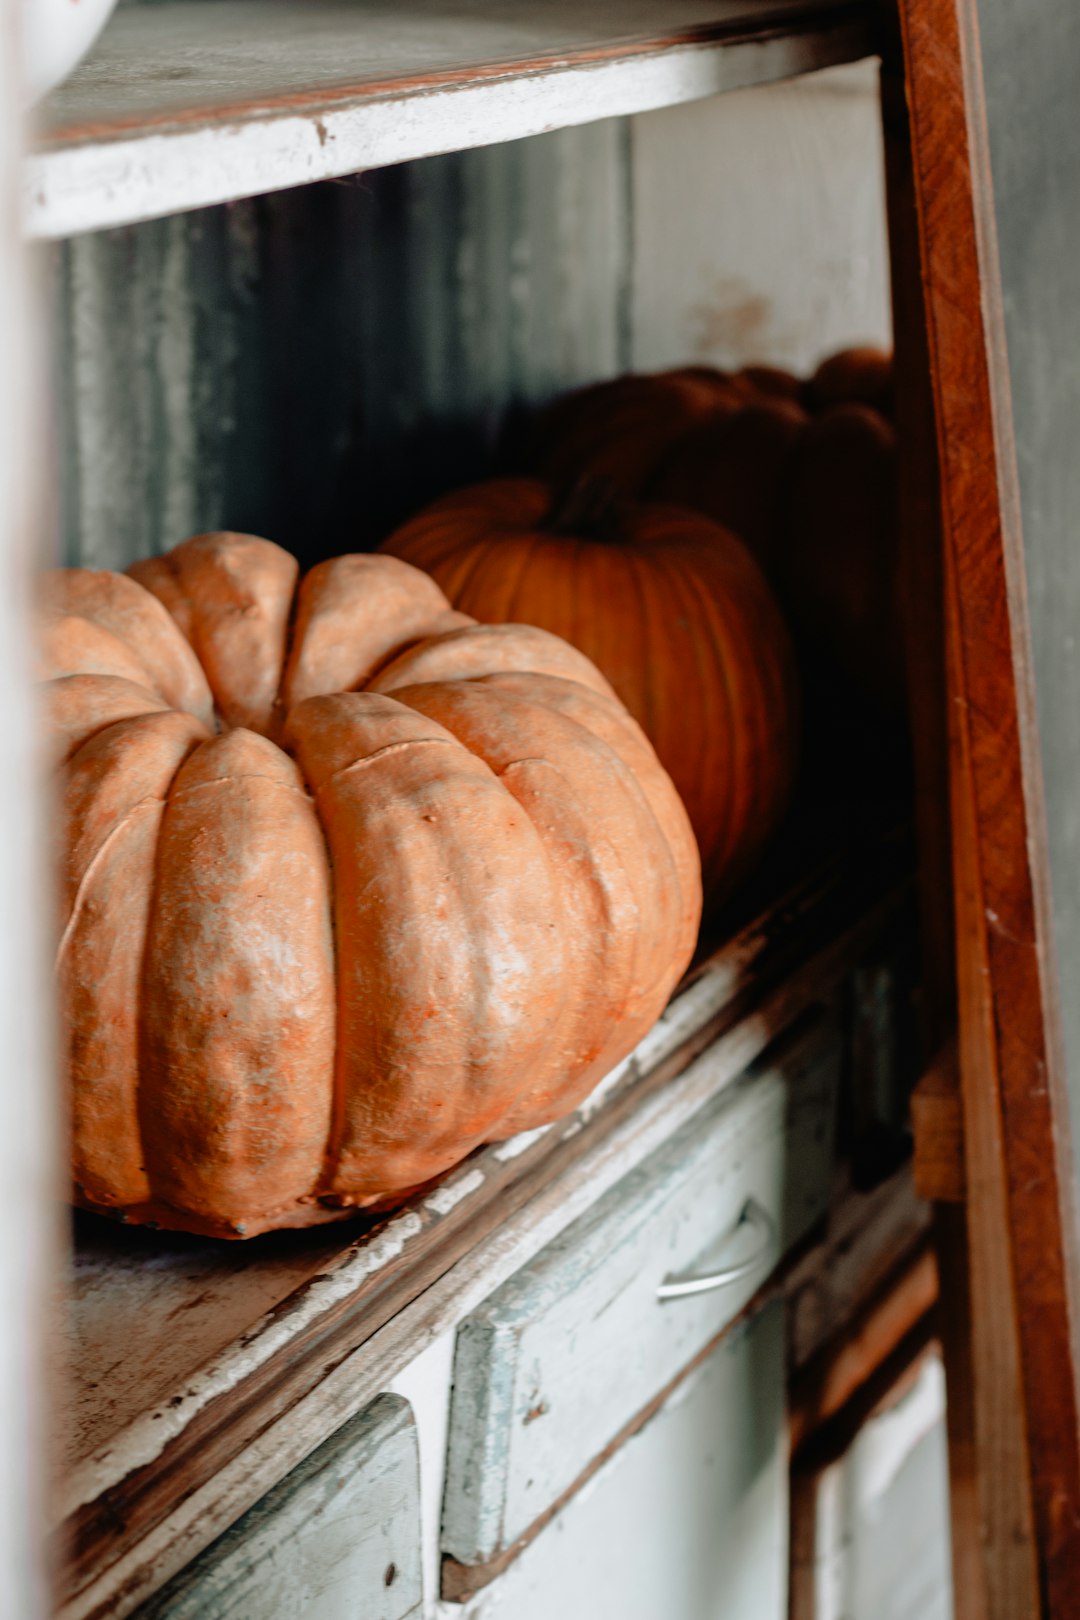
<point>1012,1341</point>
<point>1007,1254</point>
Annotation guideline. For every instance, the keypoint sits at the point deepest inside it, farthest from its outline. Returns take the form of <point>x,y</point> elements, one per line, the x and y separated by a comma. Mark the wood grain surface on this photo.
<point>1021,1218</point>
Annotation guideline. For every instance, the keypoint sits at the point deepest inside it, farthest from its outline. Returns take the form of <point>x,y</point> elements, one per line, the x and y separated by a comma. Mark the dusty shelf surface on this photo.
<point>193,102</point>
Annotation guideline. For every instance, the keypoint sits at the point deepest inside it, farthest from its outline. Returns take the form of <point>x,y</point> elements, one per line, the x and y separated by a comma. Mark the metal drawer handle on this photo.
<point>753,1215</point>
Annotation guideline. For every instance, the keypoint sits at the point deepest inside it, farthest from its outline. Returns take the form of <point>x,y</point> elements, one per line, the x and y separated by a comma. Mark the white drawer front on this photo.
<point>687,1521</point>
<point>881,1515</point>
<point>339,1539</point>
<point>561,1358</point>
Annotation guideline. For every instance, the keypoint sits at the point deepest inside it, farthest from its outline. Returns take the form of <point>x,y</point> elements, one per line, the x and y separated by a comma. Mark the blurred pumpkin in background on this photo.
<point>803,471</point>
<point>670,606</point>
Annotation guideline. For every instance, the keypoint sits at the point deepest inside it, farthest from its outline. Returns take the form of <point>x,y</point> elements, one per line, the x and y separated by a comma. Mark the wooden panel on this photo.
<point>759,225</point>
<point>283,97</point>
<point>938,1122</point>
<point>534,1398</point>
<point>339,1538</point>
<point>687,1520</point>
<point>1021,1204</point>
<point>871,1529</point>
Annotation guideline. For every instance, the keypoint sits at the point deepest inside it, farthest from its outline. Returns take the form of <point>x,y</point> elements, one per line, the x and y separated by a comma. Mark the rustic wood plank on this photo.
<point>152,1493</point>
<point>202,101</point>
<point>339,1537</point>
<point>1021,1219</point>
<point>922,560</point>
<point>938,1123</point>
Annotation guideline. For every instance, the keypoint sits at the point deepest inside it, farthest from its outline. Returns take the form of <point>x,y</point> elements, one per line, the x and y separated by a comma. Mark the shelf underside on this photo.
<point>195,102</point>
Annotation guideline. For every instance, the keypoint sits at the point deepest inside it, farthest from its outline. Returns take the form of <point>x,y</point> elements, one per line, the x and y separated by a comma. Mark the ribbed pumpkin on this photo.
<point>734,469</point>
<point>350,884</point>
<point>674,611</point>
<point>837,555</point>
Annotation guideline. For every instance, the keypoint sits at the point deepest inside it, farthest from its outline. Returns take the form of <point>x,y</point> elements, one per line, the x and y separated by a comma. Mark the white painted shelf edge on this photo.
<point>111,154</point>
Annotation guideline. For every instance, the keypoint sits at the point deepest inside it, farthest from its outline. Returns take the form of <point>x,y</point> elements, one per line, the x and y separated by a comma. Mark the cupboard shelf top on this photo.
<point>194,102</point>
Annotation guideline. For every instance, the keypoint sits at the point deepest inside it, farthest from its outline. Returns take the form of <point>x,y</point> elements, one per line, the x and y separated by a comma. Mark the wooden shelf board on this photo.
<point>195,102</point>
<point>201,1372</point>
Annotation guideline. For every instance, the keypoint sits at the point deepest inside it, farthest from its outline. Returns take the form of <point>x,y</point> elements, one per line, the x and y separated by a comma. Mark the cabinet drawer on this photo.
<point>559,1360</point>
<point>872,1529</point>
<point>688,1520</point>
<point>339,1538</point>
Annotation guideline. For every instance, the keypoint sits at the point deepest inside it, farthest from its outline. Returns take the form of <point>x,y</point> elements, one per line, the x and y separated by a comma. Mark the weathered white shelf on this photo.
<point>201,1373</point>
<point>194,102</point>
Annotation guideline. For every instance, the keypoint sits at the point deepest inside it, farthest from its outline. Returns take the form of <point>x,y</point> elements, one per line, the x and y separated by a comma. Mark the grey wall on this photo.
<point>316,364</point>
<point>1033,94</point>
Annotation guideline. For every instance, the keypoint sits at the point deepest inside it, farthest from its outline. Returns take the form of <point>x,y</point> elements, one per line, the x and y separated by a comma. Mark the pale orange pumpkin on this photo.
<point>349,883</point>
<point>674,611</point>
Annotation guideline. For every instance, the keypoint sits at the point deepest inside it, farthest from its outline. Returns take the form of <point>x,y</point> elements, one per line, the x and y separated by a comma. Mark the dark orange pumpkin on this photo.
<point>675,612</point>
<point>621,430</point>
<point>811,496</point>
<point>858,376</point>
<point>733,468</point>
<point>837,559</point>
<point>350,883</point>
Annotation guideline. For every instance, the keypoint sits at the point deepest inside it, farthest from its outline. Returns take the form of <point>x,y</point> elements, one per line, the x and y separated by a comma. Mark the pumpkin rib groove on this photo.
<point>380,753</point>
<point>240,776</point>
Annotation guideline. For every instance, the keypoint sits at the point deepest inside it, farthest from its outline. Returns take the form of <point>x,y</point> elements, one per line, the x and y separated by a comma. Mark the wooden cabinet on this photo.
<point>551,1370</point>
<point>687,1519</point>
<point>243,346</point>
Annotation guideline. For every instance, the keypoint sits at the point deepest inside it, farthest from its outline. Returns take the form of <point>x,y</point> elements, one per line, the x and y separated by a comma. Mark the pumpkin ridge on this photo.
<point>712,733</point>
<point>732,653</point>
<point>457,589</point>
<point>637,567</point>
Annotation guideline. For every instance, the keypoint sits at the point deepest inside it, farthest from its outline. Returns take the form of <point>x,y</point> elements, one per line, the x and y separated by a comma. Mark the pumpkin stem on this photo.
<point>592,508</point>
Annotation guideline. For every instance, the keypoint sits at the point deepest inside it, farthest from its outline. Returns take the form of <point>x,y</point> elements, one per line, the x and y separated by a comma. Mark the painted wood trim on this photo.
<point>370,1470</point>
<point>116,158</point>
<point>1021,1215</point>
<point>147,1503</point>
